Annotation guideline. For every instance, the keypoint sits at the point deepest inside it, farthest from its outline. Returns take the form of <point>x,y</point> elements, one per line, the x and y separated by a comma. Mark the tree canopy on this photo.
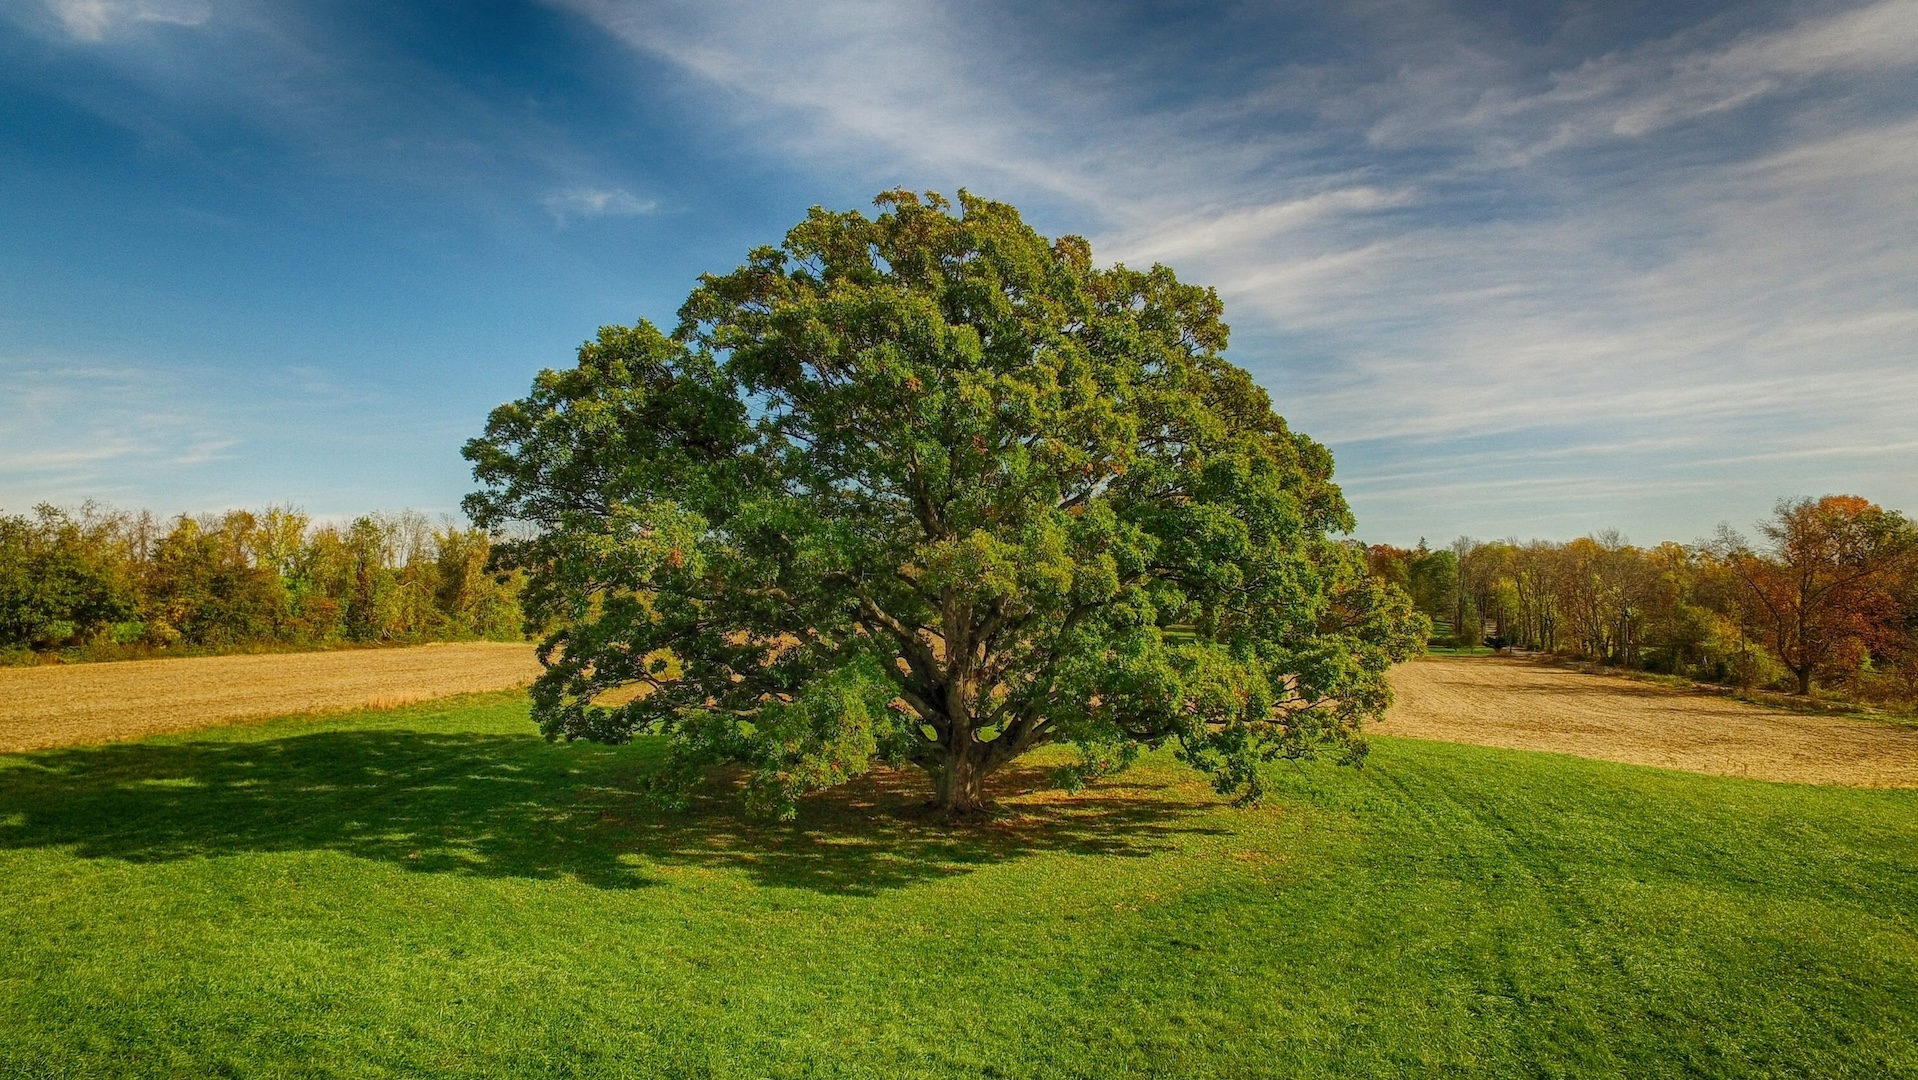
<point>1824,578</point>
<point>928,488</point>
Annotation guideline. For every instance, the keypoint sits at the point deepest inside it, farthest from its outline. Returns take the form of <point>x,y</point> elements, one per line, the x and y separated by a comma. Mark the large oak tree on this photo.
<point>929,488</point>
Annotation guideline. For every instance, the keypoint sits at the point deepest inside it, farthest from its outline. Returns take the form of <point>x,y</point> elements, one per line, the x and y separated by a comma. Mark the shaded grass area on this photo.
<point>436,891</point>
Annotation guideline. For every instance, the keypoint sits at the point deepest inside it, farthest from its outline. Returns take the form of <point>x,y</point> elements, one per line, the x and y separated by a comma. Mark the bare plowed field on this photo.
<point>1495,701</point>
<point>90,703</point>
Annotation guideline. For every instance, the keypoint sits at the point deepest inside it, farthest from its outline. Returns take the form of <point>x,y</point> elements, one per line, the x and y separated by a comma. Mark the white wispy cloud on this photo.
<point>594,202</point>
<point>1781,288</point>
<point>135,424</point>
<point>94,20</point>
<point>1258,228</point>
<point>192,438</point>
<point>1640,91</point>
<point>1633,94</point>
<point>308,81</point>
<point>896,86</point>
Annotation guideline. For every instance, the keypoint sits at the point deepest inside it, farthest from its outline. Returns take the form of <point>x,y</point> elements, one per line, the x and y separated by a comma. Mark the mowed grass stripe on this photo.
<point>434,890</point>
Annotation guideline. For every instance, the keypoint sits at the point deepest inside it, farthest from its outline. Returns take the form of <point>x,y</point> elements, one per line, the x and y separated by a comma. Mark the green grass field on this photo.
<point>434,891</point>
<point>1460,650</point>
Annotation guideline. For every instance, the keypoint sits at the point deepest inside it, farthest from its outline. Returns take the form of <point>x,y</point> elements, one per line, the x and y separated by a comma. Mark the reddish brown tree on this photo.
<point>1818,584</point>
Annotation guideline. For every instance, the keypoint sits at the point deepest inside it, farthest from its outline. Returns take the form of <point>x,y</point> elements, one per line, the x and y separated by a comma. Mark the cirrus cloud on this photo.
<point>594,202</point>
<point>94,20</point>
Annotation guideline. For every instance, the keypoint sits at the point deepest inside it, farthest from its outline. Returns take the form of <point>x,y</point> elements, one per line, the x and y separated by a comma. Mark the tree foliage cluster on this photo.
<point>928,488</point>
<point>1825,595</point>
<point>98,579</point>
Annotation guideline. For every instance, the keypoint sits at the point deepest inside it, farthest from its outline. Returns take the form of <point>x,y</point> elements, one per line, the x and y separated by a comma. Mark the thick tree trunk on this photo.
<point>968,761</point>
<point>962,782</point>
<point>1804,681</point>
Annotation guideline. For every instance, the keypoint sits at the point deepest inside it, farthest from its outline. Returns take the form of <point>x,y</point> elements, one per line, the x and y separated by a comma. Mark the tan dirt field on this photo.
<point>1525,705</point>
<point>93,703</point>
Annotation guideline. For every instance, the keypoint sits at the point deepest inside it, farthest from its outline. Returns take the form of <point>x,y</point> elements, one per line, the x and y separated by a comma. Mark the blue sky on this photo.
<point>1529,270</point>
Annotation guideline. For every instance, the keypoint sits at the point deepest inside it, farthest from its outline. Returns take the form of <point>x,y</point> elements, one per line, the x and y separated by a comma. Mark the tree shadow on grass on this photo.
<point>515,806</point>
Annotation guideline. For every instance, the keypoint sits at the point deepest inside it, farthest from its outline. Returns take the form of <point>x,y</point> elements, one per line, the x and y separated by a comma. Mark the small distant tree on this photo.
<point>1816,585</point>
<point>1434,578</point>
<point>1468,628</point>
<point>928,488</point>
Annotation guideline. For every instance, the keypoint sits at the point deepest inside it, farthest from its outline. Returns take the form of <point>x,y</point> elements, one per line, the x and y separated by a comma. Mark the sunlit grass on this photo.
<point>436,891</point>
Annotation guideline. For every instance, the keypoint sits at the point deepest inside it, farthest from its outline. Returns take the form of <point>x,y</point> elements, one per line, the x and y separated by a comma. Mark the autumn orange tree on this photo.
<point>1822,578</point>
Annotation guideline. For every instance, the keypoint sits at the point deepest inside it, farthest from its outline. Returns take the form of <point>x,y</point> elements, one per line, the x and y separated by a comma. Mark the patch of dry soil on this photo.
<point>1524,705</point>
<point>92,703</point>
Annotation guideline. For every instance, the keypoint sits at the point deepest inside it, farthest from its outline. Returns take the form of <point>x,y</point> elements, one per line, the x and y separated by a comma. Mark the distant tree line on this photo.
<point>1825,596</point>
<point>121,583</point>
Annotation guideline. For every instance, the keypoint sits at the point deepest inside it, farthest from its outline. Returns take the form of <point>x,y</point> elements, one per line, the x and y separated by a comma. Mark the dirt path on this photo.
<point>1495,701</point>
<point>91,703</point>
